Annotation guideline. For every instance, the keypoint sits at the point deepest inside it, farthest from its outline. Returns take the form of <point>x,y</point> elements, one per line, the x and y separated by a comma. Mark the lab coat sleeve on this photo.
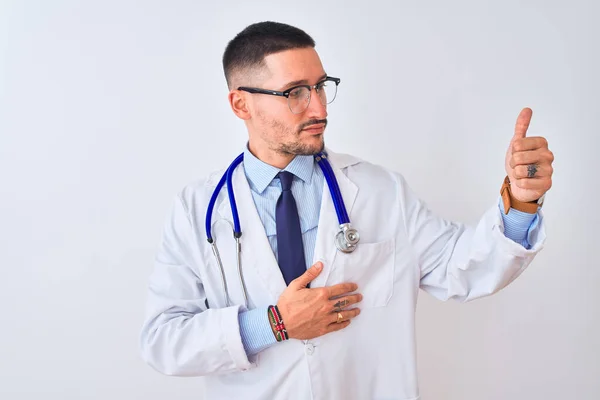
<point>462,262</point>
<point>180,336</point>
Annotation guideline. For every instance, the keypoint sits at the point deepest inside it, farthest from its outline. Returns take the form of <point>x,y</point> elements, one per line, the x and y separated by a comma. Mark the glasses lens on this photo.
<point>298,99</point>
<point>327,92</point>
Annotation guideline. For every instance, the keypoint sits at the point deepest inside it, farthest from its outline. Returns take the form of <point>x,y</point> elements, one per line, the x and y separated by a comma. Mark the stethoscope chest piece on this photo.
<point>347,238</point>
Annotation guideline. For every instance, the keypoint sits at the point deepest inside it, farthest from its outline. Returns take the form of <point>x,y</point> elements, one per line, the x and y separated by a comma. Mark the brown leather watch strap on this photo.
<point>510,202</point>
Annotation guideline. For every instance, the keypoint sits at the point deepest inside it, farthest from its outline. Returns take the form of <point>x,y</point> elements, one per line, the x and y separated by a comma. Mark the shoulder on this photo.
<point>197,193</point>
<point>358,168</point>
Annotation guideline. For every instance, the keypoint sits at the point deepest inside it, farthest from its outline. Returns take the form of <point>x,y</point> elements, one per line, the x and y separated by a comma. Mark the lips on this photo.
<point>315,128</point>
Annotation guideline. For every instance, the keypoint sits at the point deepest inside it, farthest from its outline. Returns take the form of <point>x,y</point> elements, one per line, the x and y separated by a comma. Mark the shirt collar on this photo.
<point>260,174</point>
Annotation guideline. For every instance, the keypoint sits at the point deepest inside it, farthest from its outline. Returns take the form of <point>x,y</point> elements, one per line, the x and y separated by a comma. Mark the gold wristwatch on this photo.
<point>509,201</point>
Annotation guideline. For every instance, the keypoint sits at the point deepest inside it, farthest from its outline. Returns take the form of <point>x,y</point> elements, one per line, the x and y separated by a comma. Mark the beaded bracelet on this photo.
<point>277,322</point>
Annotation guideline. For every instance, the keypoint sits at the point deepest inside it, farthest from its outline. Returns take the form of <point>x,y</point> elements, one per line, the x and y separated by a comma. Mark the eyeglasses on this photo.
<point>298,97</point>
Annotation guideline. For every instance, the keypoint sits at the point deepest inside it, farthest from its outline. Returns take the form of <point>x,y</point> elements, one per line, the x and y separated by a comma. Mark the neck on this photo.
<point>271,157</point>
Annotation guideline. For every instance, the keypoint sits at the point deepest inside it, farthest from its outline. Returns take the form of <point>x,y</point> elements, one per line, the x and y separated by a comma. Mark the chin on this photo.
<point>307,147</point>
<point>314,145</point>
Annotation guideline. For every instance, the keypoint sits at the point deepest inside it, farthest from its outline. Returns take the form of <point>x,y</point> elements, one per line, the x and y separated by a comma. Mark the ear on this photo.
<point>239,105</point>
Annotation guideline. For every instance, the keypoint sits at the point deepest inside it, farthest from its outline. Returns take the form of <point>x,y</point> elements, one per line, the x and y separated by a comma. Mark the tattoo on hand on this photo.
<point>531,170</point>
<point>342,303</point>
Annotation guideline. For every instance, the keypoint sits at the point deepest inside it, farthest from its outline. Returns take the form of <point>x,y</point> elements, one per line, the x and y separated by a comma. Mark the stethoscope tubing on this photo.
<point>227,177</point>
<point>237,233</point>
<point>334,189</point>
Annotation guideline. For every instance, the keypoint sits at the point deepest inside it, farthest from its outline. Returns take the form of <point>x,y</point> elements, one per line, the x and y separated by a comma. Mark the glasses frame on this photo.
<point>286,93</point>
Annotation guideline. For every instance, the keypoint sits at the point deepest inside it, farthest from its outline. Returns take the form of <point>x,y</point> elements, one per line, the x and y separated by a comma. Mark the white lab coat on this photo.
<point>403,247</point>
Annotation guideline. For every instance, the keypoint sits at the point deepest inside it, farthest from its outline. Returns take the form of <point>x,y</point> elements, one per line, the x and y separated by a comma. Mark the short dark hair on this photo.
<point>249,47</point>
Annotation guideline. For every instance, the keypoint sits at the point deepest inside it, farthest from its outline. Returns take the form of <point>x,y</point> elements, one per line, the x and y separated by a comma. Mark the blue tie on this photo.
<point>289,236</point>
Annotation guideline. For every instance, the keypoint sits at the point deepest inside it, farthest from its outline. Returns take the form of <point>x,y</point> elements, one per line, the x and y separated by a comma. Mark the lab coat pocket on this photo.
<point>371,267</point>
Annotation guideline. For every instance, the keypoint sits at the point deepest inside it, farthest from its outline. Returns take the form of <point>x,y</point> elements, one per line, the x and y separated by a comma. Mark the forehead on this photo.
<point>294,65</point>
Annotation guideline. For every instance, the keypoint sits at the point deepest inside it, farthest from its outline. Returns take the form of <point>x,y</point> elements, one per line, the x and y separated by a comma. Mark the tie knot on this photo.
<point>286,179</point>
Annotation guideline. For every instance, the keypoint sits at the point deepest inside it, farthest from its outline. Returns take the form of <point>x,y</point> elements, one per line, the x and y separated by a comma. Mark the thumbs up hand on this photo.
<point>528,162</point>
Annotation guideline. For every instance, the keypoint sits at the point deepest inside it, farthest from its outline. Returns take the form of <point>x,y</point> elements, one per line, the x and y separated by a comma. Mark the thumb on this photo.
<point>522,123</point>
<point>303,280</point>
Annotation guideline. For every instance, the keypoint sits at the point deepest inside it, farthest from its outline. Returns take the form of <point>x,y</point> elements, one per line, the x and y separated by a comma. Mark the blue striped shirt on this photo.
<point>307,188</point>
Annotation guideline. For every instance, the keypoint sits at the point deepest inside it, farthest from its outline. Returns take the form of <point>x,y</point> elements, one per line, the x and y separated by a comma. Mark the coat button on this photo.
<point>310,349</point>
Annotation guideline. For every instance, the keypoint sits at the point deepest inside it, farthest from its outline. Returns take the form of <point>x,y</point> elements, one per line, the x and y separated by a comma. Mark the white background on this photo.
<point>108,108</point>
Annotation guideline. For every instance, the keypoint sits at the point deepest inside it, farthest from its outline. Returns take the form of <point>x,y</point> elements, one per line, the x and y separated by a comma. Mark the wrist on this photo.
<point>509,201</point>
<point>271,322</point>
<point>255,330</point>
<point>277,324</point>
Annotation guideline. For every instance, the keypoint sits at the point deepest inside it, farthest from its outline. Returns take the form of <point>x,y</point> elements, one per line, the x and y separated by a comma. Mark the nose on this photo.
<point>316,109</point>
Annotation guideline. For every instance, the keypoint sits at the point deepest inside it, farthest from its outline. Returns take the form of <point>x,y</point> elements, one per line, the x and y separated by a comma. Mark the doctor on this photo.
<point>342,326</point>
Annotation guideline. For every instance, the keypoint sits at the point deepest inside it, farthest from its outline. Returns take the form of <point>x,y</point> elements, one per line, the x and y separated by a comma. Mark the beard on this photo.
<point>298,148</point>
<point>293,141</point>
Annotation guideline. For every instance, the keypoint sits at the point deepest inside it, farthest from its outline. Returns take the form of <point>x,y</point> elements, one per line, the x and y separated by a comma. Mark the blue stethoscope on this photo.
<point>346,238</point>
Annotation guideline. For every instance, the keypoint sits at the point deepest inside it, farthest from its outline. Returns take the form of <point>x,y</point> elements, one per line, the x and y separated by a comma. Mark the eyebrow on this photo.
<point>301,82</point>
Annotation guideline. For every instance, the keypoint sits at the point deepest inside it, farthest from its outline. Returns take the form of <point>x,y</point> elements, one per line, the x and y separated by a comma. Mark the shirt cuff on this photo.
<point>518,224</point>
<point>255,330</point>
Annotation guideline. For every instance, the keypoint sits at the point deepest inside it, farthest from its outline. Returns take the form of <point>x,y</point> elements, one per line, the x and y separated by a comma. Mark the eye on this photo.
<point>297,93</point>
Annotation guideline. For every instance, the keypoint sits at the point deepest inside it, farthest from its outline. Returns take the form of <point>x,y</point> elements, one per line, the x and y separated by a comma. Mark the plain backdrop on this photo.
<point>107,108</point>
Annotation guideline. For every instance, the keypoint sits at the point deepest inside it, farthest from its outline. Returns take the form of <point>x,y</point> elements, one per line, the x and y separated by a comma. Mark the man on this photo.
<point>342,325</point>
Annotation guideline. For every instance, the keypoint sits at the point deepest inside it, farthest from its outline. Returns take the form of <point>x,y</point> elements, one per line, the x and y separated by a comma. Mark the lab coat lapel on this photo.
<point>325,249</point>
<point>256,251</point>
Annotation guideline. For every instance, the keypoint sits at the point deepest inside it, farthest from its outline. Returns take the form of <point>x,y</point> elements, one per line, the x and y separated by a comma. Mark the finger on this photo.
<point>339,304</point>
<point>533,171</point>
<point>529,143</point>
<point>541,185</point>
<point>522,124</point>
<point>346,315</point>
<point>540,156</point>
<point>341,288</point>
<point>337,327</point>
<point>303,280</point>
